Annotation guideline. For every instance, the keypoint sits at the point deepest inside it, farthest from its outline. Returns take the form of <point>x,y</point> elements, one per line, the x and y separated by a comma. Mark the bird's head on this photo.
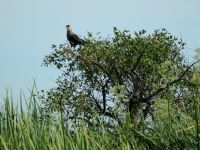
<point>69,27</point>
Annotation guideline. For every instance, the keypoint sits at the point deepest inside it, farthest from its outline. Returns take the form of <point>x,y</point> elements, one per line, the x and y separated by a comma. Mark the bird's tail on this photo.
<point>83,41</point>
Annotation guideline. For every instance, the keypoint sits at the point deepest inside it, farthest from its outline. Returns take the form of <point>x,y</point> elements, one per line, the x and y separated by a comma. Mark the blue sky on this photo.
<point>29,27</point>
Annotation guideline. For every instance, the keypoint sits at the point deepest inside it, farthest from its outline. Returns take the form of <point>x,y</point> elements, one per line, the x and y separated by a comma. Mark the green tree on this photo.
<point>113,76</point>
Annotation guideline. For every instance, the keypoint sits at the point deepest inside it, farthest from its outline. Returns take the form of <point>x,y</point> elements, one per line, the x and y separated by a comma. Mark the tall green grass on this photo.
<point>24,128</point>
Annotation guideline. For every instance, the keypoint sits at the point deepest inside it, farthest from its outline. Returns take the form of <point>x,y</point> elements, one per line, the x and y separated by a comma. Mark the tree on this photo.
<point>113,76</point>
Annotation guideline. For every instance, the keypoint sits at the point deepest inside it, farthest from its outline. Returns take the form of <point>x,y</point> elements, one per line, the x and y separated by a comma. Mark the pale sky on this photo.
<point>28,28</point>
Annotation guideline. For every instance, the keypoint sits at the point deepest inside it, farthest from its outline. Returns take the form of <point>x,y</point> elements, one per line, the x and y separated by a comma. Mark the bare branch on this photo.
<point>96,102</point>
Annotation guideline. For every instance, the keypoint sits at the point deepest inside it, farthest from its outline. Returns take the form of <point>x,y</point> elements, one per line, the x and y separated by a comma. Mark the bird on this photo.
<point>73,38</point>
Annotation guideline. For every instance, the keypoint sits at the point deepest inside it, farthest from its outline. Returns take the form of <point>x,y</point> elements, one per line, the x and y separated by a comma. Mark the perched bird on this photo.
<point>73,38</point>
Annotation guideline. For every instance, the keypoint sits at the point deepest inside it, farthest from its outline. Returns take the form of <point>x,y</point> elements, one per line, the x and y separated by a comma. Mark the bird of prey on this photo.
<point>73,38</point>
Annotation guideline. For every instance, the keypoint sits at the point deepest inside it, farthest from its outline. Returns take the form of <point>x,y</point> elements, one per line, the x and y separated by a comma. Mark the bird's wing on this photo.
<point>76,38</point>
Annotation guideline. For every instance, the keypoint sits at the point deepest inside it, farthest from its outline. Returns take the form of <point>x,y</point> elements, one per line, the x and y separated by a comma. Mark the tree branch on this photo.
<point>118,76</point>
<point>96,102</point>
<point>104,95</point>
<point>169,84</point>
<point>137,62</point>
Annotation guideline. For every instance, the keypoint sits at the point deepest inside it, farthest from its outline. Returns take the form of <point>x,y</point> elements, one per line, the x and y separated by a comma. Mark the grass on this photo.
<point>23,128</point>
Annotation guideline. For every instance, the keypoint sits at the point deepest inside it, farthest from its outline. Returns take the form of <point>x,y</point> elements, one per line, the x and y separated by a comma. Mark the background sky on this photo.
<point>28,28</point>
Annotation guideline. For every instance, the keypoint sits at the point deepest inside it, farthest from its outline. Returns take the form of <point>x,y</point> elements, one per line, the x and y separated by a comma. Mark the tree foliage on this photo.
<point>122,74</point>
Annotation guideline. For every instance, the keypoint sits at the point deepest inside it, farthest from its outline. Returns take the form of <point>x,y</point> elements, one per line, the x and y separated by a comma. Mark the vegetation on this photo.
<point>125,92</point>
<point>171,129</point>
<point>126,73</point>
